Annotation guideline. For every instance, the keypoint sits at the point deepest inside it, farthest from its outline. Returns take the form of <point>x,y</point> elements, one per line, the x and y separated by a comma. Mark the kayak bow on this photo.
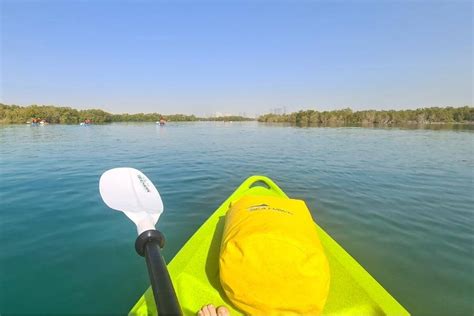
<point>195,275</point>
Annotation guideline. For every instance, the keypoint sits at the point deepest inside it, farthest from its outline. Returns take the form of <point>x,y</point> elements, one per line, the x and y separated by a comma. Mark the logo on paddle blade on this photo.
<point>144,183</point>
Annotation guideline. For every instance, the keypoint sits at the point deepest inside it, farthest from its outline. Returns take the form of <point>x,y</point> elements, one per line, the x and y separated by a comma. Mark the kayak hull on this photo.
<point>195,269</point>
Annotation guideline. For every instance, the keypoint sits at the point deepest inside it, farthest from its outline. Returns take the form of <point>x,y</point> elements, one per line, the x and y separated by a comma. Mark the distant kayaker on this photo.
<point>210,310</point>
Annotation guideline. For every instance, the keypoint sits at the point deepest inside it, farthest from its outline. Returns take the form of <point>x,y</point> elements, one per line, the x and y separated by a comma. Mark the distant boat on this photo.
<point>161,122</point>
<point>36,121</point>
<point>86,122</point>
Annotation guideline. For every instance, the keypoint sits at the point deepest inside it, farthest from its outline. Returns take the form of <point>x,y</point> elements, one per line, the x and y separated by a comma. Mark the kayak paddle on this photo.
<point>130,191</point>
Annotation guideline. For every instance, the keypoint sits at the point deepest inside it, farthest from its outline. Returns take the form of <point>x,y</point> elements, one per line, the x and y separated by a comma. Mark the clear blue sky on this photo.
<point>238,56</point>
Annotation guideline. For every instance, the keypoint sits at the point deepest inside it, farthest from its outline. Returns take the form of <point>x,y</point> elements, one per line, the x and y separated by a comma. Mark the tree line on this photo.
<point>375,117</point>
<point>14,114</point>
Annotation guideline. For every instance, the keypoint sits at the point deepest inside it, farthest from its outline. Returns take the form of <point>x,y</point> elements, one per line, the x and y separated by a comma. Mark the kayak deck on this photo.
<point>195,269</point>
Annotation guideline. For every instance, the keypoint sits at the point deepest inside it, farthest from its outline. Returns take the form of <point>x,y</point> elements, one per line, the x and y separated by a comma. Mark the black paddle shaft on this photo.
<point>148,244</point>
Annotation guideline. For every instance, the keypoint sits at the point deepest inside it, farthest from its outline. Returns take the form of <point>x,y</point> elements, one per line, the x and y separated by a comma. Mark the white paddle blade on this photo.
<point>130,191</point>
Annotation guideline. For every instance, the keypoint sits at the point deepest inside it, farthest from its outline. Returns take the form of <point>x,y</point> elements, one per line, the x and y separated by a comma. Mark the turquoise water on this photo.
<point>399,200</point>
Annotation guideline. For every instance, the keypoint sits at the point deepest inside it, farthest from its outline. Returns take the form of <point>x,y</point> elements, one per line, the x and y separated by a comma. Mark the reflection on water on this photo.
<point>433,126</point>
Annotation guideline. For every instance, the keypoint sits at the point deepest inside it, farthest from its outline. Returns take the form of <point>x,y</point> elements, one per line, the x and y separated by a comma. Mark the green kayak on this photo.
<point>195,275</point>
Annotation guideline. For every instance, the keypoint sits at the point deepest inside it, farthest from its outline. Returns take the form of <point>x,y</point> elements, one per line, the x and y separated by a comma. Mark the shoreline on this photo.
<point>467,125</point>
<point>14,114</point>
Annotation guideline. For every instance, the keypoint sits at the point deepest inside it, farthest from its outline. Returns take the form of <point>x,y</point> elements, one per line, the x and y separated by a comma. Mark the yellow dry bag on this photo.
<point>271,260</point>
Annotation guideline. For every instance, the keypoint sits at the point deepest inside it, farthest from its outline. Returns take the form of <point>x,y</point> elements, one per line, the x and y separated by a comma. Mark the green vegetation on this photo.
<point>373,117</point>
<point>14,114</point>
<point>51,114</point>
<point>152,117</point>
<point>66,115</point>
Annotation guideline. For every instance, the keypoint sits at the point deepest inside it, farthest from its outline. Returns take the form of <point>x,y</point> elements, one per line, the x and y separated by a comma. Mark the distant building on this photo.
<point>278,111</point>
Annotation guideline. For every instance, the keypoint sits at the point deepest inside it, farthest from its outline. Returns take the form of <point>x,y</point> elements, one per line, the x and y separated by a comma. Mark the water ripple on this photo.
<point>400,201</point>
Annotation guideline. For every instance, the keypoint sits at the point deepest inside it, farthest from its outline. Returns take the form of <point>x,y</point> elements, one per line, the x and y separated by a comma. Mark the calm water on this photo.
<point>400,201</point>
